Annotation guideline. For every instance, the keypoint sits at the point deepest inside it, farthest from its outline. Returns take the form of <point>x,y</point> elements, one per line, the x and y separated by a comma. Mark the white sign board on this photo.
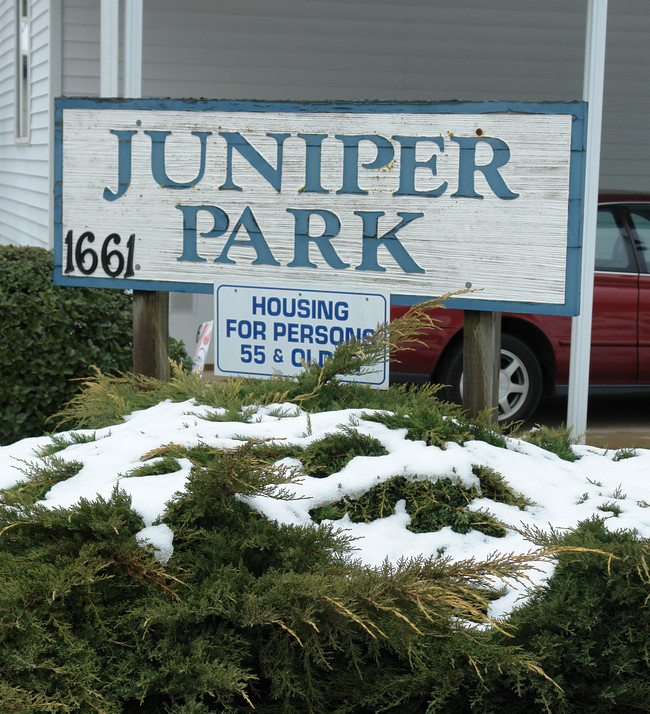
<point>426,198</point>
<point>262,330</point>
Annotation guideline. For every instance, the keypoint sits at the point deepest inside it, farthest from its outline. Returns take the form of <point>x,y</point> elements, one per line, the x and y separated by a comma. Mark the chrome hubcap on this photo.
<point>513,385</point>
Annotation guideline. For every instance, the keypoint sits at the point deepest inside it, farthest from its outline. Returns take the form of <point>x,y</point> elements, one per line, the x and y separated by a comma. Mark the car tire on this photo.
<point>520,379</point>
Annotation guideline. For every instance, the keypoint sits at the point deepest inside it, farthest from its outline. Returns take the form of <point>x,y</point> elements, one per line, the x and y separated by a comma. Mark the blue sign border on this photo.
<point>577,109</point>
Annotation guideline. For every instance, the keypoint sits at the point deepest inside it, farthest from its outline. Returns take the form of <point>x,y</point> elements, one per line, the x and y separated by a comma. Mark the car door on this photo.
<point>639,221</point>
<point>616,301</point>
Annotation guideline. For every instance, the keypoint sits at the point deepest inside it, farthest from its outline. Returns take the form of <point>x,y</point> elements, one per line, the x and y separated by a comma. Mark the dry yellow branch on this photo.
<point>18,523</point>
<point>355,618</point>
<point>289,630</point>
<point>395,612</point>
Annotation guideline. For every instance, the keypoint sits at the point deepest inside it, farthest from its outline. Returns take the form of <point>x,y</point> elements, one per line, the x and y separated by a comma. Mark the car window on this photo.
<point>640,219</point>
<point>612,250</point>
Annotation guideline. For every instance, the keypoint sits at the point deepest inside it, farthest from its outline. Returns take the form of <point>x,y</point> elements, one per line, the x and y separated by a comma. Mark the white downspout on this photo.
<point>109,35</point>
<point>594,78</point>
<point>133,49</point>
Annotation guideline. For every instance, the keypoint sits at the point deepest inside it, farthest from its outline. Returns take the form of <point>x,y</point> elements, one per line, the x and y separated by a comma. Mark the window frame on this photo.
<point>642,261</point>
<point>22,104</point>
<point>623,224</point>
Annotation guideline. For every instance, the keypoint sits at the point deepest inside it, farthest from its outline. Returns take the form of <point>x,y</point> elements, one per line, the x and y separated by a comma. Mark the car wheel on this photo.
<point>520,379</point>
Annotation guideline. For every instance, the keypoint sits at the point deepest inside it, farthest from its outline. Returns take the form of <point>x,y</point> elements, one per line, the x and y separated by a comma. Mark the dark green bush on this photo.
<point>557,441</point>
<point>436,423</point>
<point>331,453</point>
<point>52,335</point>
<point>589,628</point>
<point>432,504</point>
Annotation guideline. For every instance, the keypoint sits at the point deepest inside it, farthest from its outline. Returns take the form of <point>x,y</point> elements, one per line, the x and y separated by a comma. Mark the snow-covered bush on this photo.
<point>243,602</point>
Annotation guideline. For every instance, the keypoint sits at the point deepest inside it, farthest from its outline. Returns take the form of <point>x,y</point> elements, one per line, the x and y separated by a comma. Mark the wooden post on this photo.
<point>481,362</point>
<point>151,334</point>
<point>150,309</point>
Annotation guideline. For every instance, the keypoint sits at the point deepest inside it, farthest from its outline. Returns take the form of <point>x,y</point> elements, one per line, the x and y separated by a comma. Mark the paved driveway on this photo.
<point>615,420</point>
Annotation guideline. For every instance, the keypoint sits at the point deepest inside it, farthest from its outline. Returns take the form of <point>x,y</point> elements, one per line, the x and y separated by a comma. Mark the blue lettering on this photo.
<point>408,164</point>
<point>320,309</point>
<point>337,335</point>
<point>273,306</point>
<point>341,311</point>
<point>371,242</point>
<point>245,329</point>
<point>467,167</point>
<point>302,239</point>
<point>385,153</point>
<point>259,303</point>
<point>292,332</point>
<point>313,156</point>
<point>158,170</point>
<point>255,241</point>
<point>303,308</point>
<point>231,326</point>
<point>306,333</point>
<point>299,357</point>
<point>286,310</point>
<point>273,176</point>
<point>123,163</point>
<point>352,333</point>
<point>219,227</point>
<point>321,333</point>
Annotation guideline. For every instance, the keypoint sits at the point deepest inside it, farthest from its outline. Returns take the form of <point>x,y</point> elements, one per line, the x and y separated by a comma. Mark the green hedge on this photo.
<point>50,336</point>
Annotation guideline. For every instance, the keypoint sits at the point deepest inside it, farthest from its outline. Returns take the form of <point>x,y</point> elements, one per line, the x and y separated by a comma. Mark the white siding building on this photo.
<point>312,50</point>
<point>25,122</point>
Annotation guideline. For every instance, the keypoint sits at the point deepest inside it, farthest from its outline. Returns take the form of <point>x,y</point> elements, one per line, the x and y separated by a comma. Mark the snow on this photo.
<point>562,493</point>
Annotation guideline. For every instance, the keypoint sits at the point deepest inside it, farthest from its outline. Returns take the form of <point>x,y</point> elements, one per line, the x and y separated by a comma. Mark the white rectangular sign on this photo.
<point>426,198</point>
<point>262,330</point>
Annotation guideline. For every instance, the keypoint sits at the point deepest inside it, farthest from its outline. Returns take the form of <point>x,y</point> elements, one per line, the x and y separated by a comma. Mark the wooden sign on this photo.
<point>421,198</point>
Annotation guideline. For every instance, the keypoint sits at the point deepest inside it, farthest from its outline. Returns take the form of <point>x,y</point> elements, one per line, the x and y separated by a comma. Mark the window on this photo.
<point>612,251</point>
<point>22,69</point>
<point>640,219</point>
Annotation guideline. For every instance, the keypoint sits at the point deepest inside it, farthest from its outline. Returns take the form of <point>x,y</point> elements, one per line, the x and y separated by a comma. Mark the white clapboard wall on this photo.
<point>25,186</point>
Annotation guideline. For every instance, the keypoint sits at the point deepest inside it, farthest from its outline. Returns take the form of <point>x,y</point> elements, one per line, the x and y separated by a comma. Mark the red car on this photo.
<point>535,348</point>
